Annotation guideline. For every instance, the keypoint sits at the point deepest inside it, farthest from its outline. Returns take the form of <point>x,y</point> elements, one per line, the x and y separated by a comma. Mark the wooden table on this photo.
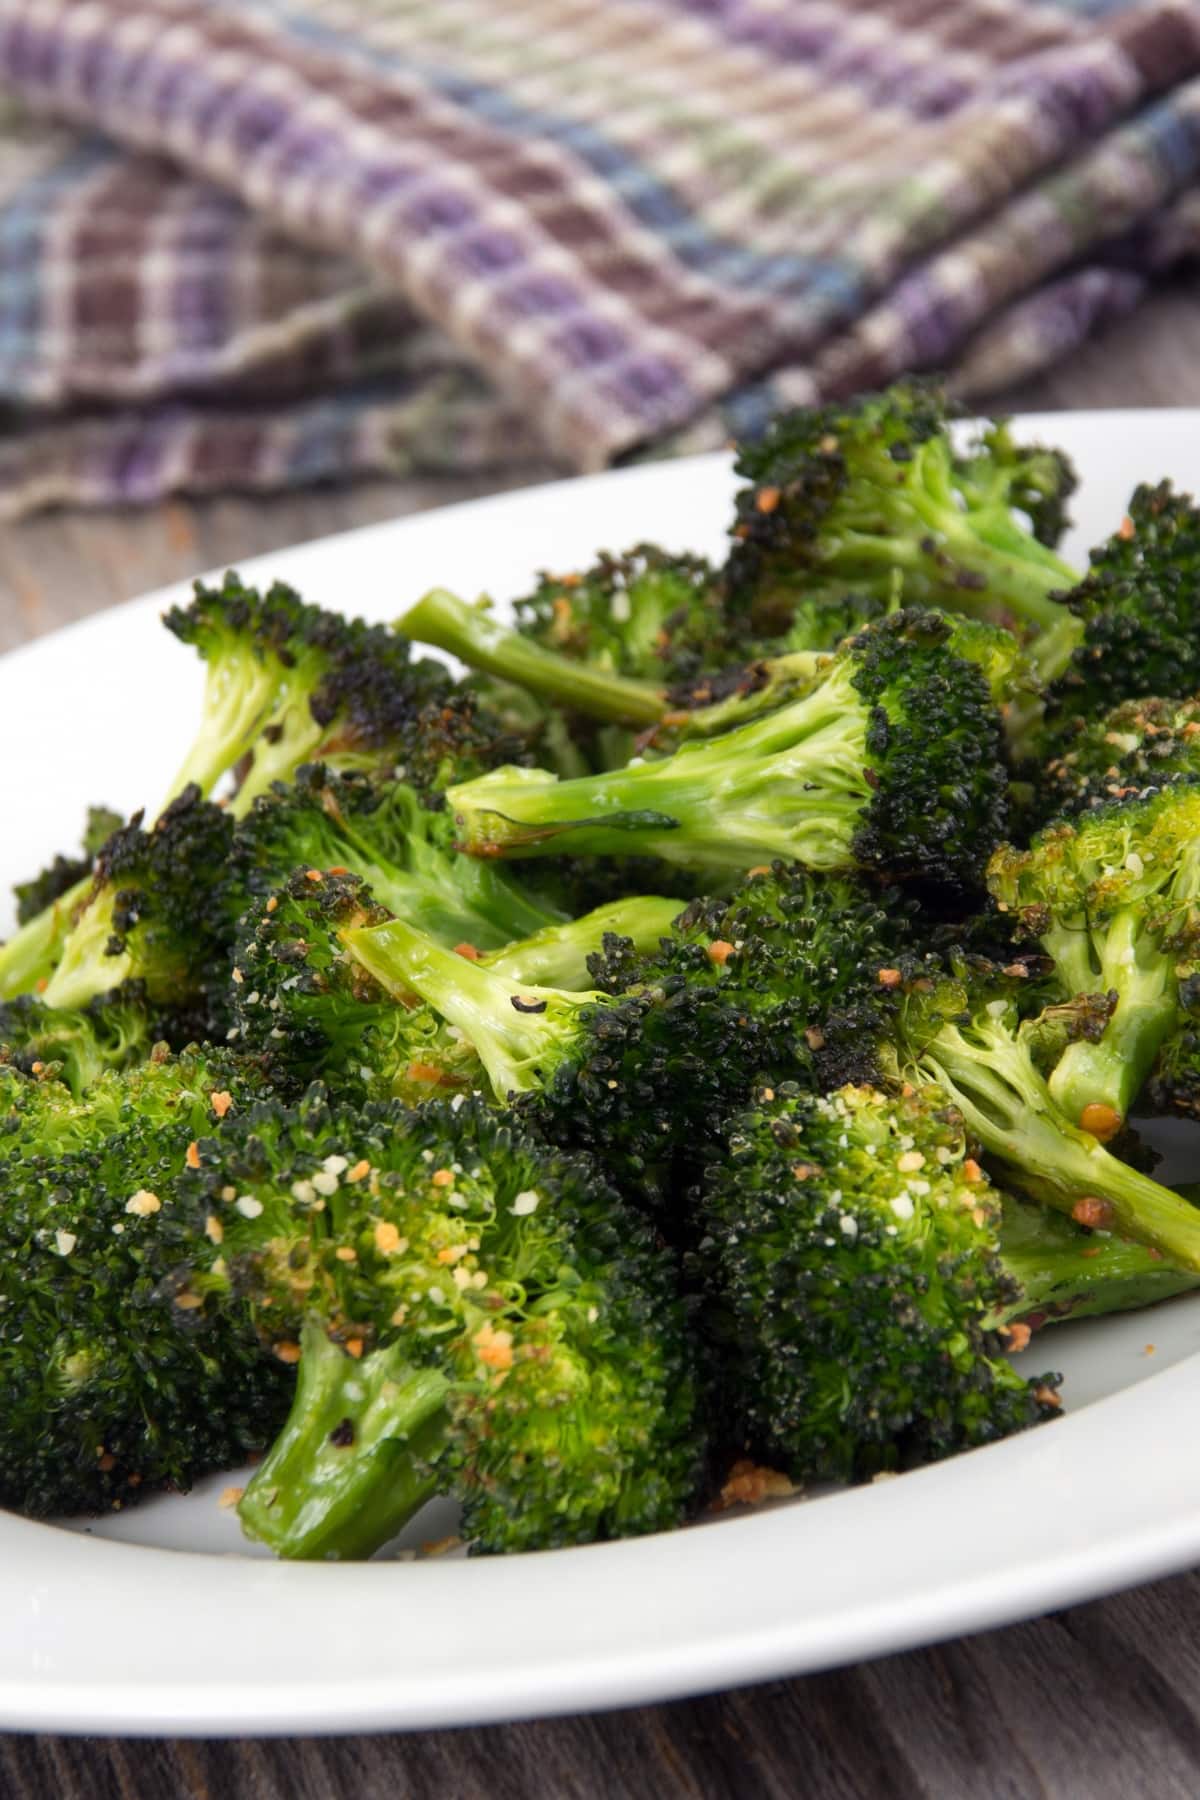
<point>1100,1701</point>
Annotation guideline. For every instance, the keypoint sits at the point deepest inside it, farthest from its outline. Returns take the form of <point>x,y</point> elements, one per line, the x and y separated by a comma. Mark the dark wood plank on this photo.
<point>1101,1702</point>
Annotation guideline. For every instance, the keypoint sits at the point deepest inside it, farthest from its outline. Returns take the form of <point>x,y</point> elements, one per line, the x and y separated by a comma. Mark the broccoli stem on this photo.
<point>558,955</point>
<point>793,784</point>
<point>1110,1072</point>
<point>481,642</point>
<point>87,967</point>
<point>29,957</point>
<point>238,688</point>
<point>1011,1111</point>
<point>1065,1272</point>
<point>517,1030</point>
<point>356,1458</point>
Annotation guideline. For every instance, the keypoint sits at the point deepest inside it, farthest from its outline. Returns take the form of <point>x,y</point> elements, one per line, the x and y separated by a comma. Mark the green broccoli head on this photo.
<point>648,614</point>
<point>840,499</point>
<point>892,763</point>
<point>289,683</point>
<point>1137,607</point>
<point>156,911</point>
<point>1114,897</point>
<point>115,1380</point>
<point>852,1270</point>
<point>1138,744</point>
<point>78,1046</point>
<point>445,1241</point>
<point>382,831</point>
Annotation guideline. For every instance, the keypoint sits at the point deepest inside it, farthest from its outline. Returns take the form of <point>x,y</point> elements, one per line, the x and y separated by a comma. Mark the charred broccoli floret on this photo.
<point>1114,897</point>
<point>852,1267</point>
<point>643,1069</point>
<point>1137,614</point>
<point>841,498</point>
<point>891,763</point>
<point>380,830</point>
<point>483,1317</point>
<point>155,911</point>
<point>1138,745</point>
<point>963,1033</point>
<point>114,1380</point>
<point>289,683</point>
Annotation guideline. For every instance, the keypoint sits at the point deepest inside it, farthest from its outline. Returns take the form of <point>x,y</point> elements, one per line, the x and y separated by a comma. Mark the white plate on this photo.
<point>125,1625</point>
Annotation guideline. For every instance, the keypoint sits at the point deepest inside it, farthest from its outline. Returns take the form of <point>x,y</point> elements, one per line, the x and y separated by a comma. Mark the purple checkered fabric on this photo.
<point>258,243</point>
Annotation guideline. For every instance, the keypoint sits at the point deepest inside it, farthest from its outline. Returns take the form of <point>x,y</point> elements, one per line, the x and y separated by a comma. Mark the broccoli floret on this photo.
<point>1174,1084</point>
<point>852,1269</point>
<point>288,683</point>
<point>643,1069</point>
<point>1139,744</point>
<point>841,498</point>
<point>1136,610</point>
<point>485,1316</point>
<point>65,872</point>
<point>1114,898</point>
<point>648,615</point>
<point>963,1033</point>
<point>155,912</point>
<point>79,1046</point>
<point>892,763</point>
<point>115,1381</point>
<point>380,831</point>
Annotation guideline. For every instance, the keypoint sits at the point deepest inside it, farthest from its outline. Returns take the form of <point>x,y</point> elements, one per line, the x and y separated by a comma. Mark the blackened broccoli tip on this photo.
<point>482,642</point>
<point>840,498</point>
<point>491,1322</point>
<point>57,880</point>
<point>154,910</point>
<point>891,763</point>
<point>854,1279</point>
<point>1113,896</point>
<point>964,1033</point>
<point>116,1380</point>
<point>1136,609</point>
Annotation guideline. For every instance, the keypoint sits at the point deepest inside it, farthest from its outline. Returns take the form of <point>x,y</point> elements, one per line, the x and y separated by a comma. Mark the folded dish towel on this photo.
<point>256,243</point>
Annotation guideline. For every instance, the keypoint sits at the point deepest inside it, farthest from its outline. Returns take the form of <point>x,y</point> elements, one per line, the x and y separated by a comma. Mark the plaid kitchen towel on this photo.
<point>256,243</point>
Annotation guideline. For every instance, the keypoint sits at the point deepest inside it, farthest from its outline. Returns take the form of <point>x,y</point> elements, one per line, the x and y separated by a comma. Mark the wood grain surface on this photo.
<point>1101,1702</point>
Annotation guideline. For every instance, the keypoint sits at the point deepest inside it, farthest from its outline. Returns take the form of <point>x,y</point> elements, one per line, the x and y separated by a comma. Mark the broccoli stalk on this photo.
<point>481,642</point>
<point>1063,1271</point>
<point>356,1458</point>
<point>1114,898</point>
<point>892,762</point>
<point>29,957</point>
<point>966,1039</point>
<point>558,955</point>
<point>520,1031</point>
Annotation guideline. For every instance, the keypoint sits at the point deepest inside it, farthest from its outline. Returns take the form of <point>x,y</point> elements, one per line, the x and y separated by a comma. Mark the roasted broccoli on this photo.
<point>853,1282</point>
<point>1064,1271</point>
<point>114,1380</point>
<point>1137,615</point>
<point>839,499</point>
<point>155,910</point>
<point>964,1034</point>
<point>1139,744</point>
<point>380,830</point>
<point>643,1069</point>
<point>1114,897</point>
<point>66,872</point>
<point>78,1047</point>
<point>483,1315</point>
<point>891,763</point>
